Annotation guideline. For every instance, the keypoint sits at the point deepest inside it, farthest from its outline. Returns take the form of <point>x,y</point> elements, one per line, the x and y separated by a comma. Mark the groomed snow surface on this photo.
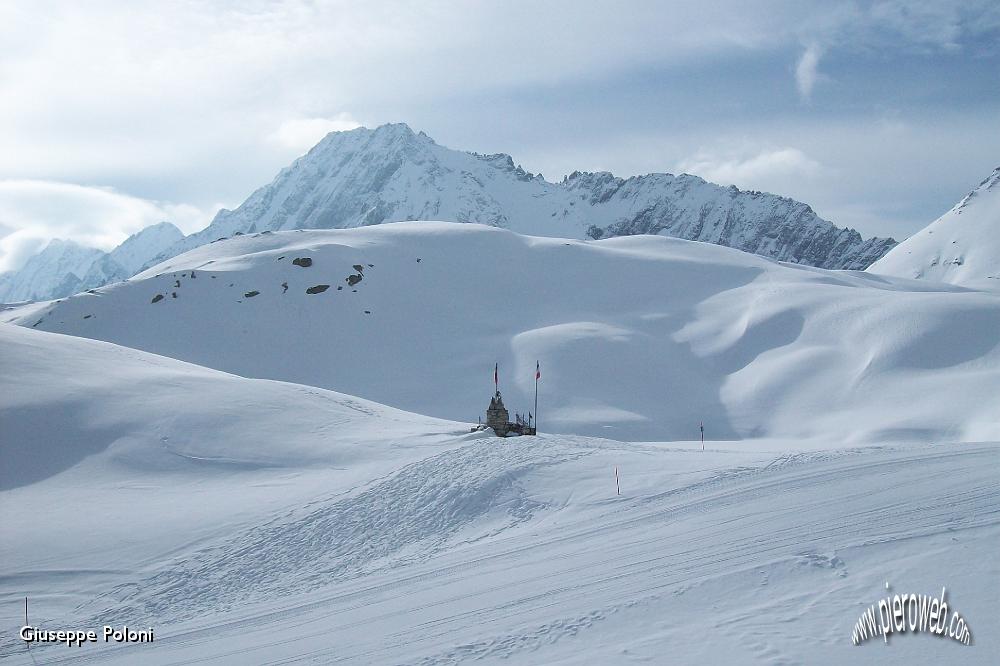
<point>852,421</point>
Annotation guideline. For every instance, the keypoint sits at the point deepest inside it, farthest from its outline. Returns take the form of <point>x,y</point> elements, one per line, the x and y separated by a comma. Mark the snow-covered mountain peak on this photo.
<point>366,176</point>
<point>386,140</point>
<point>504,162</point>
<point>960,247</point>
<point>65,267</point>
<point>983,188</point>
<point>55,271</point>
<point>141,246</point>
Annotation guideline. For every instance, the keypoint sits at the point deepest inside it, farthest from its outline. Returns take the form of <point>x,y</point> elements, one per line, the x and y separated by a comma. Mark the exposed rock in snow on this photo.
<point>637,334</point>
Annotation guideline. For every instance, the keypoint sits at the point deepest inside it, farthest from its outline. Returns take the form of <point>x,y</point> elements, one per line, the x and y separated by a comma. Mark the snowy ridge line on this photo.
<point>390,174</point>
<point>722,334</point>
<point>962,247</point>
<point>366,177</point>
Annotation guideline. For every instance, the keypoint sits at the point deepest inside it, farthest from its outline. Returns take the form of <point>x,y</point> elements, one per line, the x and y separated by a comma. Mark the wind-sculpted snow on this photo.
<point>68,402</point>
<point>252,521</point>
<point>639,338</point>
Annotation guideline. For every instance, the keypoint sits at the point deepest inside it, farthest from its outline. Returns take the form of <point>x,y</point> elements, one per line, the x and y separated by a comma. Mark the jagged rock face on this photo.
<point>391,174</point>
<point>688,207</point>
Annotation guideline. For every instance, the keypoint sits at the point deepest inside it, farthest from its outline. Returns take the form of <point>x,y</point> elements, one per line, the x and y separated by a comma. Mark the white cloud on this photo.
<point>38,210</point>
<point>17,247</point>
<point>167,88</point>
<point>301,134</point>
<point>766,170</point>
<point>806,73</point>
<point>203,102</point>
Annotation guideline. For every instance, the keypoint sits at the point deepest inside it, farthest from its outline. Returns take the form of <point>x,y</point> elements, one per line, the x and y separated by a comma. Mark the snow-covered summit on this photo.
<point>132,255</point>
<point>389,174</point>
<point>365,176</point>
<point>54,272</point>
<point>960,247</point>
<point>137,249</point>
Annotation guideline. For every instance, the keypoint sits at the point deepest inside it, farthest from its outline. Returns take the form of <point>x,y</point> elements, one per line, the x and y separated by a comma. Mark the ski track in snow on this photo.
<point>377,589</point>
<point>401,519</point>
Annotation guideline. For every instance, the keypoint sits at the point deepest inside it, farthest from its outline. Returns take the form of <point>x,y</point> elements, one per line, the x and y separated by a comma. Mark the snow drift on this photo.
<point>70,401</point>
<point>639,338</point>
<point>251,521</point>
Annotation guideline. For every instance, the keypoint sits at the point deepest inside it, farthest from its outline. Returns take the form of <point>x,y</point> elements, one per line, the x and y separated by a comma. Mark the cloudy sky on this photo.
<point>115,115</point>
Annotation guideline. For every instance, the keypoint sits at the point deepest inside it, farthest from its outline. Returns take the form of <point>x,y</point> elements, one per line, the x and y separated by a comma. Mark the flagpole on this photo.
<point>536,397</point>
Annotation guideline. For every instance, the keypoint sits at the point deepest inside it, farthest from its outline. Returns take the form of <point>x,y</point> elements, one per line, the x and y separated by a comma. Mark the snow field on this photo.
<point>249,519</point>
<point>640,338</point>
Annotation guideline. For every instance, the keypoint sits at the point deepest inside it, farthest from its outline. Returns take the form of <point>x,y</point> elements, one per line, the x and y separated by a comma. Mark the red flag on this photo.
<point>538,372</point>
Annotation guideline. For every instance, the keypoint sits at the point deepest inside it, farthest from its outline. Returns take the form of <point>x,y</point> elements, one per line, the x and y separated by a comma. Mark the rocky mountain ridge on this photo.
<point>391,174</point>
<point>365,176</point>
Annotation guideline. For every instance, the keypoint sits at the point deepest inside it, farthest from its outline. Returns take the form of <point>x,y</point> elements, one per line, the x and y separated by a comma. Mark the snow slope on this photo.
<point>251,521</point>
<point>960,247</point>
<point>390,174</point>
<point>639,338</point>
<point>160,454</point>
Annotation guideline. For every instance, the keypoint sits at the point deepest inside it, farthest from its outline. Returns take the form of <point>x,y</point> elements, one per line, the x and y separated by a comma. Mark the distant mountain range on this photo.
<point>961,247</point>
<point>65,267</point>
<point>389,174</point>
